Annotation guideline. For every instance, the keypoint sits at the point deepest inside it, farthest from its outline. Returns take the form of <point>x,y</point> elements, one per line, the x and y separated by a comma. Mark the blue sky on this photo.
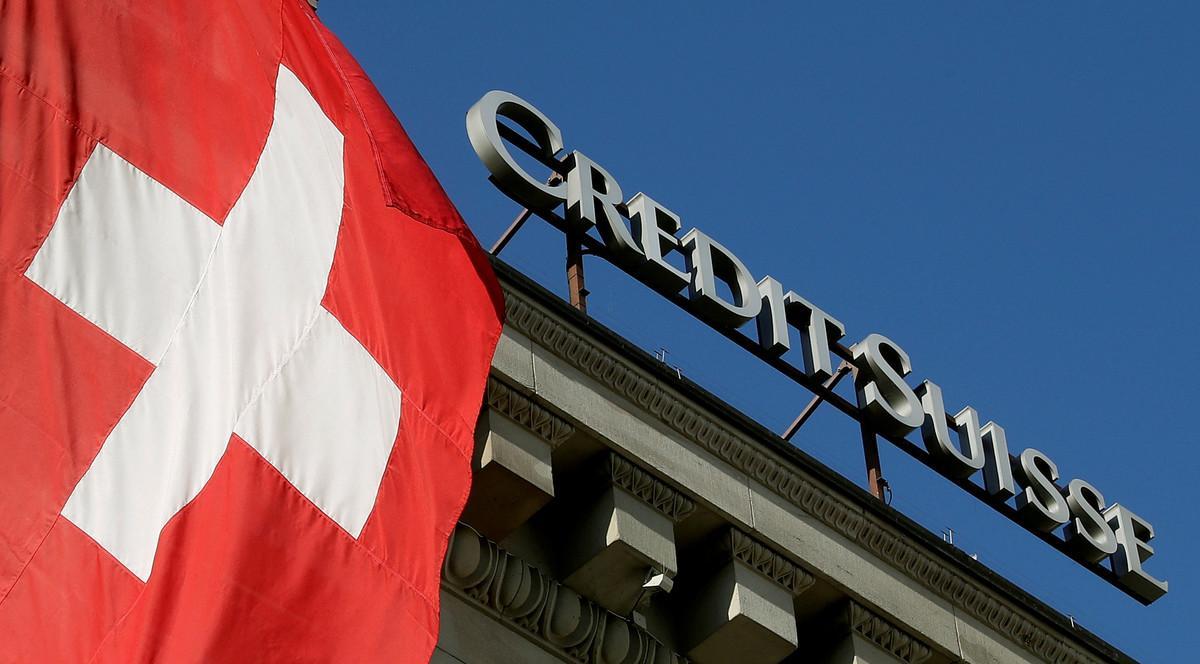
<point>1007,191</point>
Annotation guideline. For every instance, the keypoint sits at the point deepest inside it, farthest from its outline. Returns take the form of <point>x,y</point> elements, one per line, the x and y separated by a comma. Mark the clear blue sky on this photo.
<point>1009,191</point>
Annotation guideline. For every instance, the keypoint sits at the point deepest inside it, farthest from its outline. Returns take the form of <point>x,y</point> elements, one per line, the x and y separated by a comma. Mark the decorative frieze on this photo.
<point>766,561</point>
<point>552,615</point>
<point>813,498</point>
<point>651,490</point>
<point>885,635</point>
<point>516,406</point>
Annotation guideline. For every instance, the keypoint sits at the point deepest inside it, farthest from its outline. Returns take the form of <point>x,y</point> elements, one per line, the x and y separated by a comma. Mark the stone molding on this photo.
<point>510,402</point>
<point>885,635</point>
<point>748,456</point>
<point>551,614</point>
<point>649,489</point>
<point>766,561</point>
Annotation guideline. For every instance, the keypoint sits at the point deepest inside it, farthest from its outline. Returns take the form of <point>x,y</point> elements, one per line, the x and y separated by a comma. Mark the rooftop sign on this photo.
<point>643,237</point>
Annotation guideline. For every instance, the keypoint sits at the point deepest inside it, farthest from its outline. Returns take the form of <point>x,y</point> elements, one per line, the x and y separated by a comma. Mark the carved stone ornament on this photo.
<point>766,561</point>
<point>654,492</point>
<point>510,402</point>
<point>885,635</point>
<point>551,614</point>
<point>815,499</point>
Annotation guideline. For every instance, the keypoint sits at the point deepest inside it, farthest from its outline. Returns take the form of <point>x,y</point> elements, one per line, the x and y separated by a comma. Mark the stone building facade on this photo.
<point>622,515</point>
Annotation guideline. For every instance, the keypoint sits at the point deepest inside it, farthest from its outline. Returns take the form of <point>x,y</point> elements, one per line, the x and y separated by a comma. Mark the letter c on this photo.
<point>483,128</point>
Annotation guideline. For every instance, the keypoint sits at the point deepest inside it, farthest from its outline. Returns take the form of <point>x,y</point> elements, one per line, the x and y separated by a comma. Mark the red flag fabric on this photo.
<point>243,342</point>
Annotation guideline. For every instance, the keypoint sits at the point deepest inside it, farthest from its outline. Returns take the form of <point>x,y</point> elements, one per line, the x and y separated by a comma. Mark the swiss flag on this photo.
<point>243,342</point>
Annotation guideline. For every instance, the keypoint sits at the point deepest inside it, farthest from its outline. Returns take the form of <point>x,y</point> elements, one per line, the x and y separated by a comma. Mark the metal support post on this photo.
<point>875,482</point>
<point>575,282</point>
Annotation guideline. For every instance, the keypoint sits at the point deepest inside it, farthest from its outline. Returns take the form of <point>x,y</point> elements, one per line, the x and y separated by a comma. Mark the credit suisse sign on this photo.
<point>641,236</point>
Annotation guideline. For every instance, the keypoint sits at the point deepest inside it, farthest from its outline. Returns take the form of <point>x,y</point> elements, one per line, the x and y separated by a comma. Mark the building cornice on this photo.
<point>550,614</point>
<point>870,531</point>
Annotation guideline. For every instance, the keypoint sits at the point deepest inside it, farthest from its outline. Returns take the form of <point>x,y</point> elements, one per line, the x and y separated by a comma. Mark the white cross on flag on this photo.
<point>243,342</point>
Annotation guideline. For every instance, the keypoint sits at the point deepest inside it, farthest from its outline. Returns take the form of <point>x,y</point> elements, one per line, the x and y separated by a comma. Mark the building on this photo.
<point>622,514</point>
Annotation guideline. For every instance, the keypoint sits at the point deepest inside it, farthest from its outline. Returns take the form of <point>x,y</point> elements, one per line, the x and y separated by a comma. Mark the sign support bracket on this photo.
<point>509,232</point>
<point>816,401</point>
<point>876,484</point>
<point>517,223</point>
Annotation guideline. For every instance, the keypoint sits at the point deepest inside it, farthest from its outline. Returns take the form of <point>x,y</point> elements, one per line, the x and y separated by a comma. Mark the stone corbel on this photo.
<point>743,609</point>
<point>620,531</point>
<point>514,441</point>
